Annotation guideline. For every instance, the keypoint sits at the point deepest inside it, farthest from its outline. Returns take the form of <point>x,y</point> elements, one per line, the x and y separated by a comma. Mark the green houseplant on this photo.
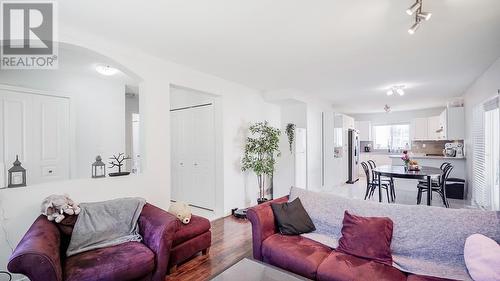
<point>261,148</point>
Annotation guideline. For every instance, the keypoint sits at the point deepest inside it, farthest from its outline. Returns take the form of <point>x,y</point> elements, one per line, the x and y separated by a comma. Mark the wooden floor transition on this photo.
<point>231,242</point>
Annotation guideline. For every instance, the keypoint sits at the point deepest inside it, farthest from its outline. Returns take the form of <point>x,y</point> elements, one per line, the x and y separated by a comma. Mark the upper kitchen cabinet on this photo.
<point>453,122</point>
<point>420,129</point>
<point>434,128</point>
<point>449,125</point>
<point>365,130</point>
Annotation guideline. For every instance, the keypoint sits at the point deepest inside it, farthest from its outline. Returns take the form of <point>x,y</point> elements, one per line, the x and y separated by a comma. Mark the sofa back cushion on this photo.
<point>367,237</point>
<point>292,218</point>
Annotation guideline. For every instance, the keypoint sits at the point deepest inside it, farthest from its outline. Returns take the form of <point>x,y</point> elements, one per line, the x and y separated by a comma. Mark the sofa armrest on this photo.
<point>158,228</point>
<point>38,254</point>
<point>263,224</point>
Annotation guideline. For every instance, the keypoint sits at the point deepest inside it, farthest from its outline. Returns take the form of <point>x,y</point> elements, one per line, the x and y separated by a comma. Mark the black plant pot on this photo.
<point>262,200</point>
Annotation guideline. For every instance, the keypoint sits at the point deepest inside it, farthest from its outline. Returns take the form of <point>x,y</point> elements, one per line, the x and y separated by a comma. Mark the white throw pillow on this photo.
<point>482,258</point>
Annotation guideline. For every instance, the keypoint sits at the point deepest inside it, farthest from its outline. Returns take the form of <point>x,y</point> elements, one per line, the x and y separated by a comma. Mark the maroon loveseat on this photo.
<point>166,242</point>
<point>311,259</point>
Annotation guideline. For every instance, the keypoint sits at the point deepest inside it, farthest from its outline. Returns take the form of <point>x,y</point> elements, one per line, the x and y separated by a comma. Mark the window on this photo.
<point>486,155</point>
<point>391,137</point>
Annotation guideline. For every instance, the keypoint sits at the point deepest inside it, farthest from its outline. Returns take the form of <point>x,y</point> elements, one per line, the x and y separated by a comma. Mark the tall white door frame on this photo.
<point>193,148</point>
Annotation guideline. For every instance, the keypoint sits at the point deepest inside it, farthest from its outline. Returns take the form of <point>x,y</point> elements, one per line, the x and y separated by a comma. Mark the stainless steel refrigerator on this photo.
<point>353,155</point>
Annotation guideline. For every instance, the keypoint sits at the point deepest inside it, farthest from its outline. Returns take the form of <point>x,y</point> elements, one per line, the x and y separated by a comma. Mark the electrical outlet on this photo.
<point>424,145</point>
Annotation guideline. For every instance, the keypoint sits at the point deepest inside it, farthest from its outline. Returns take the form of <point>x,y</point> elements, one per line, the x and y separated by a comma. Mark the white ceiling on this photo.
<point>347,51</point>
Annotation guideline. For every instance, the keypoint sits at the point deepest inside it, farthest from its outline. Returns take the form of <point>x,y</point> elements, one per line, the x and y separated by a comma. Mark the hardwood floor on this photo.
<point>231,242</point>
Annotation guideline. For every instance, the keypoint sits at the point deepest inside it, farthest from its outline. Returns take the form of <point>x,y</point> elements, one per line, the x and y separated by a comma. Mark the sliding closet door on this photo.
<point>193,156</point>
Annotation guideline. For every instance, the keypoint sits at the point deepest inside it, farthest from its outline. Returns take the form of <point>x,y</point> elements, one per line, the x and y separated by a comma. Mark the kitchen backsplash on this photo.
<point>429,147</point>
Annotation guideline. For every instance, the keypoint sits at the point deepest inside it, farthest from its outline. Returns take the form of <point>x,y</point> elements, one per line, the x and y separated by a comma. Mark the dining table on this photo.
<point>395,171</point>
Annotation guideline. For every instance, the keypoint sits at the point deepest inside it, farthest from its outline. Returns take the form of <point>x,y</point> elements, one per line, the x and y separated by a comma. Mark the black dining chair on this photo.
<point>442,167</point>
<point>371,186</point>
<point>437,186</point>
<point>388,181</point>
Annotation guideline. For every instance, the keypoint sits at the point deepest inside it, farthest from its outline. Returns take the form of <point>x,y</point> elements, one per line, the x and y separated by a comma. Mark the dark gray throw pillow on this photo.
<point>292,218</point>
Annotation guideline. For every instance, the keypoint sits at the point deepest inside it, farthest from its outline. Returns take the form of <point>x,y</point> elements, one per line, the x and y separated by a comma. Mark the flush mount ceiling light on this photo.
<point>396,89</point>
<point>106,70</point>
<point>419,16</point>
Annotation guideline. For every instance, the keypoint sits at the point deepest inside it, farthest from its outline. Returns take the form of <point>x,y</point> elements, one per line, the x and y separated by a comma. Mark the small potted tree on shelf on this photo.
<point>261,149</point>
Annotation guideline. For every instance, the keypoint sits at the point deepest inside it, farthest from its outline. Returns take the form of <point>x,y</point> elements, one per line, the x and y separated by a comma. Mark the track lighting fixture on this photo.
<point>396,89</point>
<point>414,28</point>
<point>424,15</point>
<point>419,16</point>
<point>410,11</point>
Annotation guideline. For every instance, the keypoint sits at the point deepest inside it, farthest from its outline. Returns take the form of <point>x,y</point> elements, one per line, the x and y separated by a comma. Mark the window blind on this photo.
<point>483,177</point>
<point>479,188</point>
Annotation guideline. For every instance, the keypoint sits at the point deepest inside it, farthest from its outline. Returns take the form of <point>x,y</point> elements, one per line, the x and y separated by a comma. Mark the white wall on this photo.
<point>97,109</point>
<point>131,107</point>
<point>241,105</point>
<point>485,87</point>
<point>398,116</point>
<point>294,112</point>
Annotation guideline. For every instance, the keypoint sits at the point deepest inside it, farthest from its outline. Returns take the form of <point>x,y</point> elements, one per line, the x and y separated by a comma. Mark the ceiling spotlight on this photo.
<point>414,28</point>
<point>424,15</point>
<point>396,89</point>
<point>387,108</point>
<point>410,11</point>
<point>106,70</point>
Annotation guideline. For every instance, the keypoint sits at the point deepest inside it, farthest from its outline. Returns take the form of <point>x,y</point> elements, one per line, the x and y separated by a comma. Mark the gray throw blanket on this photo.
<point>104,224</point>
<point>426,240</point>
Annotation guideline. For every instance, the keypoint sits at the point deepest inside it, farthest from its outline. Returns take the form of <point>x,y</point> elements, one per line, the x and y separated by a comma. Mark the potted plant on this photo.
<point>410,165</point>
<point>290,132</point>
<point>261,148</point>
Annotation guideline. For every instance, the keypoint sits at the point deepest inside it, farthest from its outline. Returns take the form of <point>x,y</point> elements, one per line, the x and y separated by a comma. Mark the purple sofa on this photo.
<point>40,254</point>
<point>311,259</point>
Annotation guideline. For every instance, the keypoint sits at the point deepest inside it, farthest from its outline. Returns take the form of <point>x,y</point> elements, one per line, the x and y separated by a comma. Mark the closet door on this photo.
<point>16,132</point>
<point>193,156</point>
<point>51,138</point>
<point>201,191</point>
<point>35,127</point>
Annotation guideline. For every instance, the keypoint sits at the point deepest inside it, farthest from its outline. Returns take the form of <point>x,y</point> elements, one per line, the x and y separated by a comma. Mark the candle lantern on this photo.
<point>17,174</point>
<point>98,168</point>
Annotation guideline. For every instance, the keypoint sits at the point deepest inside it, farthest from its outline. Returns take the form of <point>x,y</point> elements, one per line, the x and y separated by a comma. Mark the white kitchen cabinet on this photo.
<point>434,128</point>
<point>365,130</point>
<point>443,120</point>
<point>420,128</point>
<point>455,125</point>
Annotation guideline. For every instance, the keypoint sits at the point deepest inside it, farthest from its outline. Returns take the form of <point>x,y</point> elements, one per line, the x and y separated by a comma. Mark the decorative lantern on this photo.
<point>98,168</point>
<point>17,174</point>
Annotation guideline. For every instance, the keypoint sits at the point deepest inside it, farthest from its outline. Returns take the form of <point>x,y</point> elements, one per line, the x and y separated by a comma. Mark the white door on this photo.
<point>51,138</point>
<point>193,156</point>
<point>36,128</point>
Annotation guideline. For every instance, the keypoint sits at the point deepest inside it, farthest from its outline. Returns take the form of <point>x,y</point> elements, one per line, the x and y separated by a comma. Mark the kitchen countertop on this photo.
<point>429,157</point>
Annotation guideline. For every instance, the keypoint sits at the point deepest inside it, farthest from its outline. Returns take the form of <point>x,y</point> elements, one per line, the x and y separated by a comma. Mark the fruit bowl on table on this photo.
<point>414,168</point>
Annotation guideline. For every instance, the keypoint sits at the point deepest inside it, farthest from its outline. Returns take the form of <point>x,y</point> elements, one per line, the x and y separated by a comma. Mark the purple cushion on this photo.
<point>482,258</point>
<point>367,237</point>
<point>344,267</point>
<point>128,261</point>
<point>294,253</point>
<point>197,226</point>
